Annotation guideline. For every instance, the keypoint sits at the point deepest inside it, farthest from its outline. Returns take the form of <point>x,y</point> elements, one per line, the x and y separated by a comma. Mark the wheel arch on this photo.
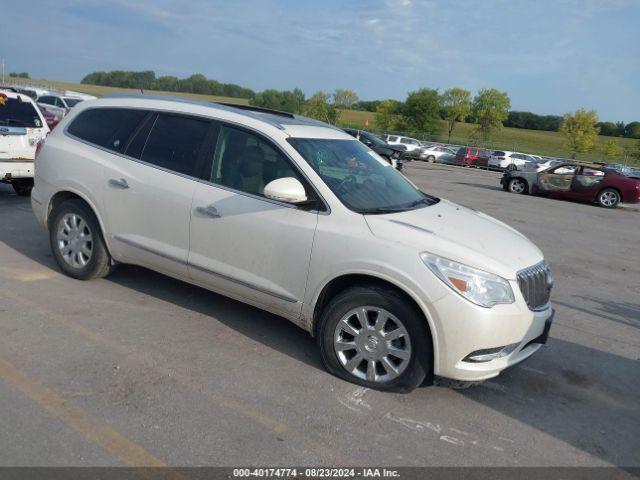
<point>346,280</point>
<point>69,194</point>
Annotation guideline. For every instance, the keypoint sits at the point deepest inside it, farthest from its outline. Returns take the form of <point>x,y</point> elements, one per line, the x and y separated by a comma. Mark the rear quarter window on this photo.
<point>108,128</point>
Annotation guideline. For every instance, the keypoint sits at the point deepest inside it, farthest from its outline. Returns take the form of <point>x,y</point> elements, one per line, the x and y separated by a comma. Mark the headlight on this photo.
<point>481,288</point>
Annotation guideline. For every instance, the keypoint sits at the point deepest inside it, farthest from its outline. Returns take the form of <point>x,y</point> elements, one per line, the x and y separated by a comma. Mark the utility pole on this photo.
<point>2,69</point>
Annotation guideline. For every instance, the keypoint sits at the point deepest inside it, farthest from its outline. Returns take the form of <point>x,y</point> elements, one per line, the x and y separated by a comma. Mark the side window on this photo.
<point>592,172</point>
<point>566,170</point>
<point>175,143</point>
<point>392,139</point>
<point>46,100</point>
<point>106,127</point>
<point>246,162</point>
<point>59,103</point>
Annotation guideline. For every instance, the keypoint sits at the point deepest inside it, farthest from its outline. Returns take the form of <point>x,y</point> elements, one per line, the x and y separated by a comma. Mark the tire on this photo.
<point>414,340</point>
<point>608,198</point>
<point>70,224</point>
<point>517,185</point>
<point>22,186</point>
<point>431,159</point>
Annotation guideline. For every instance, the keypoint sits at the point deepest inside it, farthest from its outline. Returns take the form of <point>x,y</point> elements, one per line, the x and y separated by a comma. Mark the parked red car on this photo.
<point>472,157</point>
<point>50,118</point>
<point>591,183</point>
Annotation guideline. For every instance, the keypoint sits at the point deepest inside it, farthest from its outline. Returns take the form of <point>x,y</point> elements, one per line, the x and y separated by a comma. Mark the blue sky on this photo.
<point>551,56</point>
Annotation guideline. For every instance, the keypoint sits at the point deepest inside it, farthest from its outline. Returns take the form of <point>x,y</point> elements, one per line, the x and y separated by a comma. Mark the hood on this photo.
<point>460,234</point>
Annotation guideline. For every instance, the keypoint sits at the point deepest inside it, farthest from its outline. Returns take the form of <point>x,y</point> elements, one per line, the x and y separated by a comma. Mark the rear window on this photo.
<point>499,153</point>
<point>18,113</point>
<point>106,127</point>
<point>461,151</point>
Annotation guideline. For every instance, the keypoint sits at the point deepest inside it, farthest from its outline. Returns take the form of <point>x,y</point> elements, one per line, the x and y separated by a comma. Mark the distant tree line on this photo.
<point>422,111</point>
<point>147,80</point>
<point>19,75</point>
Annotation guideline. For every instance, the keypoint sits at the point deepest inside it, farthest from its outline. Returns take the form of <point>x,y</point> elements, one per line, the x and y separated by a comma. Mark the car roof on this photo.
<point>287,123</point>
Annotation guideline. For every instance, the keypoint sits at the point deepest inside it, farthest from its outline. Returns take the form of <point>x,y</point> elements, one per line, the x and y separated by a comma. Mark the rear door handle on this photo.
<point>208,211</point>
<point>121,183</point>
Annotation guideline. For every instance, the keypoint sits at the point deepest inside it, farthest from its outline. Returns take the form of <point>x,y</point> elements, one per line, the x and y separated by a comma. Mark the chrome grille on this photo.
<point>535,284</point>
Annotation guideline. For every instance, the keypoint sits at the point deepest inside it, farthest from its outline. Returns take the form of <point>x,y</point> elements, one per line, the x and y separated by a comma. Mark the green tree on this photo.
<point>385,117</point>
<point>344,98</point>
<point>456,105</point>
<point>490,108</point>
<point>580,130</point>
<point>632,130</point>
<point>319,107</point>
<point>611,148</point>
<point>422,111</point>
<point>19,75</point>
<point>286,100</point>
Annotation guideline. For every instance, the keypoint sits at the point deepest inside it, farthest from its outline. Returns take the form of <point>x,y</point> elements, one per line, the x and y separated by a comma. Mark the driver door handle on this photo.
<point>208,211</point>
<point>118,183</point>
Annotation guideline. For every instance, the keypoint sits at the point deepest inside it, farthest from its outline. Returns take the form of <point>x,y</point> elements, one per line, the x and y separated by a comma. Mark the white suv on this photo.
<point>298,218</point>
<point>414,147</point>
<point>22,128</point>
<point>509,160</point>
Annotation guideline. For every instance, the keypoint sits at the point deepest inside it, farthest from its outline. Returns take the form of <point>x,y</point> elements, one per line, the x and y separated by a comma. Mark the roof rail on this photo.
<point>253,108</point>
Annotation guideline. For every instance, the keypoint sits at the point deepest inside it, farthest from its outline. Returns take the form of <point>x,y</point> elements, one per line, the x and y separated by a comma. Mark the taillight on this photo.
<point>39,146</point>
<point>502,158</point>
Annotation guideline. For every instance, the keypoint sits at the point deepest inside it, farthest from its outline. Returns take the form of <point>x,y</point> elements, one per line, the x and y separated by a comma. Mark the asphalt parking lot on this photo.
<point>143,369</point>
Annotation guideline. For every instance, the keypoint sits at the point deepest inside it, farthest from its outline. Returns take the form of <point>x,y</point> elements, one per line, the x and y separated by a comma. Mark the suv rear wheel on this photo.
<point>77,243</point>
<point>372,336</point>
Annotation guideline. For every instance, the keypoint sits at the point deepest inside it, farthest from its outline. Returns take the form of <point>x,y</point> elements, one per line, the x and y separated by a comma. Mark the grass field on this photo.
<point>517,139</point>
<point>528,141</point>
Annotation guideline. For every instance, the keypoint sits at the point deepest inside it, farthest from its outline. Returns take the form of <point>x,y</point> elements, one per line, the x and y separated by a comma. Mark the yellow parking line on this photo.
<point>123,449</point>
<point>34,276</point>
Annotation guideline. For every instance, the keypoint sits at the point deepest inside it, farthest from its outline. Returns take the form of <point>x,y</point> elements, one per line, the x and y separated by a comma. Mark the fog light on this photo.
<point>488,354</point>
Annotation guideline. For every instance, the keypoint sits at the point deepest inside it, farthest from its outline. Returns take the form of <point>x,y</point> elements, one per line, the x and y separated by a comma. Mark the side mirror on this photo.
<point>286,189</point>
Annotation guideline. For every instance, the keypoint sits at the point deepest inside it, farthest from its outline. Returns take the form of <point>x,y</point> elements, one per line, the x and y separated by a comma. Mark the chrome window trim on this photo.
<point>200,180</point>
<point>252,286</point>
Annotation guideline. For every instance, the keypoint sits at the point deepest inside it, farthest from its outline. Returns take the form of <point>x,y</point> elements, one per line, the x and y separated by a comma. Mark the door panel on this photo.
<point>587,183</point>
<point>251,249</point>
<point>557,180</point>
<point>148,212</point>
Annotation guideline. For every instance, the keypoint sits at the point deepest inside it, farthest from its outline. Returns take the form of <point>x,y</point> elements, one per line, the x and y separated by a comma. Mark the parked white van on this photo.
<point>298,218</point>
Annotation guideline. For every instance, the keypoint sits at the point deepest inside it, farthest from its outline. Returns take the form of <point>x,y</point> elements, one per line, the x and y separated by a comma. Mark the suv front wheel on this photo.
<point>374,337</point>
<point>76,241</point>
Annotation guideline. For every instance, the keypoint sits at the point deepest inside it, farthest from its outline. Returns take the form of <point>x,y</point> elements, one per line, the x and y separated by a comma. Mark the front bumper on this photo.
<point>465,328</point>
<point>10,169</point>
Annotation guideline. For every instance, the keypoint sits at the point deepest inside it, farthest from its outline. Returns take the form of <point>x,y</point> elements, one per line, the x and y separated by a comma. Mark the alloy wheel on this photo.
<point>608,198</point>
<point>75,241</point>
<point>516,186</point>
<point>372,344</point>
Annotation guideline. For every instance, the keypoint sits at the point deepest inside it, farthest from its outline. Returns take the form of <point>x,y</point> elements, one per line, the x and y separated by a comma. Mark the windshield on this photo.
<point>359,177</point>
<point>17,113</point>
<point>372,138</point>
<point>72,102</point>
